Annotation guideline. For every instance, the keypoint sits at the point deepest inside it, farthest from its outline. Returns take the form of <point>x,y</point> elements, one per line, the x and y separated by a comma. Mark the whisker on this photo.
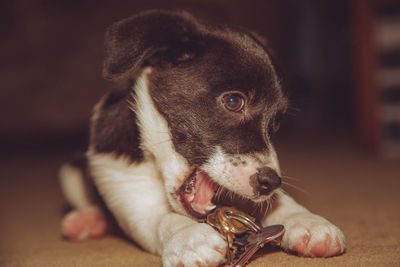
<point>294,109</point>
<point>262,204</point>
<point>218,193</point>
<point>257,207</point>
<point>296,187</point>
<point>269,205</point>
<point>290,178</point>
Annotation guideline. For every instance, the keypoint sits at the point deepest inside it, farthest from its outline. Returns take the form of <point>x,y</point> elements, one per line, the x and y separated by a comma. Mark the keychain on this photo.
<point>243,235</point>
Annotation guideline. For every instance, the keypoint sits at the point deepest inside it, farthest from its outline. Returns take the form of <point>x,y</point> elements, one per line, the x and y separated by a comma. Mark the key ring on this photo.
<point>242,234</point>
<point>246,220</point>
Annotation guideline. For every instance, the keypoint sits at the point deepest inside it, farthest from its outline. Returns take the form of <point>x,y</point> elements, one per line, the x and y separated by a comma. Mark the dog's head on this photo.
<point>207,100</point>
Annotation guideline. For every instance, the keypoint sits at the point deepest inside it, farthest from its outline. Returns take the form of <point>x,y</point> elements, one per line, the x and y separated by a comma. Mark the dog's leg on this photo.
<point>305,233</point>
<point>188,243</point>
<point>86,220</point>
<point>135,194</point>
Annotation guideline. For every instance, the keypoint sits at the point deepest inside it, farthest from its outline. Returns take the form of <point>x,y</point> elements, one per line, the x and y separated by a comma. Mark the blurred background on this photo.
<point>340,60</point>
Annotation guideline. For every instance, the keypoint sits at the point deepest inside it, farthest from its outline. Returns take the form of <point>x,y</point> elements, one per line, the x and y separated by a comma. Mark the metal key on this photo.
<point>243,235</point>
<point>257,241</point>
<point>230,222</point>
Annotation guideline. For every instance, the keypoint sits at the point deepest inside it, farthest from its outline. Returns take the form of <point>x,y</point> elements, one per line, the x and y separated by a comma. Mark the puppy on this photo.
<point>188,128</point>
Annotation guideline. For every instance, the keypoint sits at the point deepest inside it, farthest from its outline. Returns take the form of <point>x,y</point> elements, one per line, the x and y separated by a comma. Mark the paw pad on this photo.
<point>80,225</point>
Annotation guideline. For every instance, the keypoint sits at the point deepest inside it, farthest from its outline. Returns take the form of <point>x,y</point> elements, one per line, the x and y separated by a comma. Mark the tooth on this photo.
<point>191,197</point>
<point>208,208</point>
<point>196,210</point>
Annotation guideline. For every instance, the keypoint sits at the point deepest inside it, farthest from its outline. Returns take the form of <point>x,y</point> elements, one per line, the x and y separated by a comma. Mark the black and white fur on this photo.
<point>168,119</point>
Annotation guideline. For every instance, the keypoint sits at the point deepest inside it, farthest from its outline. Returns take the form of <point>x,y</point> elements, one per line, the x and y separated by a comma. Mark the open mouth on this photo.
<point>200,195</point>
<point>196,194</point>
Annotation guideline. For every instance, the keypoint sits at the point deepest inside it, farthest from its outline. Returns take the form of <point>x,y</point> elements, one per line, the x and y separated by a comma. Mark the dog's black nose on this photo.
<point>268,180</point>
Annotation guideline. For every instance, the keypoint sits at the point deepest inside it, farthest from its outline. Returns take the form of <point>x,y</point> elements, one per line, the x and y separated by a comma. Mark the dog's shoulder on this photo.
<point>114,128</point>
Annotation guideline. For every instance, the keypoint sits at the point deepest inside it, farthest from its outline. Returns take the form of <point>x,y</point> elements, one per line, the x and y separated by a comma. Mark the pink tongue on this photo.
<point>205,190</point>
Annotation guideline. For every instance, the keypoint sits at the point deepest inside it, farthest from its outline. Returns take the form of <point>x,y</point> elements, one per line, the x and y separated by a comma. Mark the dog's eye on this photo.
<point>233,102</point>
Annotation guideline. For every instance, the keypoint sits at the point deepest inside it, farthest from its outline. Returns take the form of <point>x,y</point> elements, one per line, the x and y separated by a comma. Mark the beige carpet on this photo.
<point>359,193</point>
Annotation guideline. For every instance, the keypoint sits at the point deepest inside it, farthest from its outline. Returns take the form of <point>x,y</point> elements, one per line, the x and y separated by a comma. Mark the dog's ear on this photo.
<point>131,42</point>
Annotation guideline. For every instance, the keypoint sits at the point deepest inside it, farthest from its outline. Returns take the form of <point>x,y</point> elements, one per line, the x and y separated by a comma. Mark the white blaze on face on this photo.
<point>273,157</point>
<point>156,139</point>
<point>234,171</point>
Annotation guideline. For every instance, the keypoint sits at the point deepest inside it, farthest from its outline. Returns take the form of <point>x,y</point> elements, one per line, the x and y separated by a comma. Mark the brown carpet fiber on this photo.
<point>360,194</point>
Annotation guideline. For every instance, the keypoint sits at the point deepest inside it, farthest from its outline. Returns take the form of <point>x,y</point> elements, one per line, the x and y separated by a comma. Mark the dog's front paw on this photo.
<point>196,245</point>
<point>311,235</point>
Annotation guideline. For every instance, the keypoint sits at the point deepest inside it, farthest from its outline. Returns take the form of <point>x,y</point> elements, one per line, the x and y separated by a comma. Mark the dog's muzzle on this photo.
<point>267,180</point>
